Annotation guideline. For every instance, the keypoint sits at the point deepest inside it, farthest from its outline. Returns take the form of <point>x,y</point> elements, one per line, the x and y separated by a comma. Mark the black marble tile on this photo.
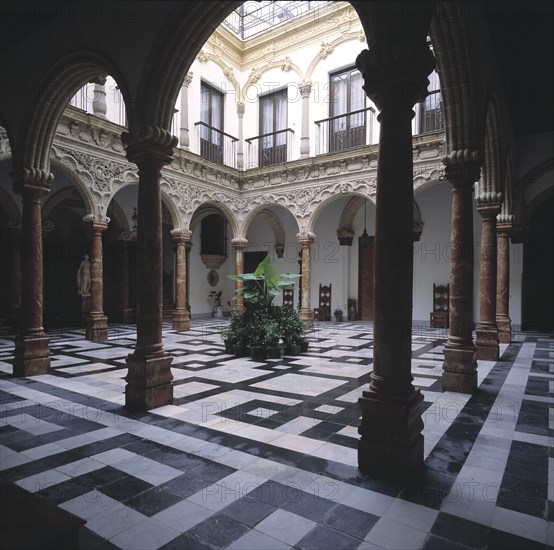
<point>500,540</point>
<point>66,491</point>
<point>351,521</point>
<point>152,501</point>
<point>460,530</point>
<point>273,493</point>
<point>104,476</point>
<point>186,542</point>
<point>324,538</point>
<point>248,511</point>
<point>184,486</point>
<point>125,488</point>
<point>216,531</point>
<point>211,471</point>
<point>437,543</point>
<point>310,506</point>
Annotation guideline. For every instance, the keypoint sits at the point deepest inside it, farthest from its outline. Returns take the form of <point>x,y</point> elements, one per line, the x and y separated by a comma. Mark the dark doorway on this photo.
<point>366,279</point>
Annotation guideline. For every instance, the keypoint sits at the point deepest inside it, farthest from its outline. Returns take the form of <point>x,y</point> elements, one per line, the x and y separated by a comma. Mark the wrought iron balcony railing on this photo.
<point>217,146</point>
<point>347,131</point>
<point>271,148</point>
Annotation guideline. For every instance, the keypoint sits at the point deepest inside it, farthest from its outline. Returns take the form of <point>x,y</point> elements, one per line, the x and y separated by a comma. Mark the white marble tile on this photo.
<point>296,526</point>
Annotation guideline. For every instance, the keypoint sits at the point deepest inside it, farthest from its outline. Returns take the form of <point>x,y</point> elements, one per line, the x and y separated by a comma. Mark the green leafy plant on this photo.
<point>263,285</point>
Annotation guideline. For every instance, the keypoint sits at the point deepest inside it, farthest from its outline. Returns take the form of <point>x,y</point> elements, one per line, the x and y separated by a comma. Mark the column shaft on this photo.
<point>126,310</point>
<point>239,245</point>
<point>460,366</point>
<point>149,376</point>
<point>305,139</point>
<point>306,312</point>
<point>32,354</point>
<point>503,320</point>
<point>96,321</point>
<point>487,331</point>
<point>181,315</point>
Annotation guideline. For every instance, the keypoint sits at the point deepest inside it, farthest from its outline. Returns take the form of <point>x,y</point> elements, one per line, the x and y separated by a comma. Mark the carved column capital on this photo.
<point>239,243</point>
<point>305,88</point>
<point>462,168</point>
<point>306,239</point>
<point>488,208</point>
<point>188,79</point>
<point>97,224</point>
<point>345,236</point>
<point>35,182</point>
<point>149,146</point>
<point>181,236</point>
<point>393,79</point>
<point>240,109</point>
<point>504,225</point>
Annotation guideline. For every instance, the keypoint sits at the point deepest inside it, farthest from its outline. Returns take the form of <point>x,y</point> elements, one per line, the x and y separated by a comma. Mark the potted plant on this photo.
<point>338,314</point>
<point>292,330</point>
<point>273,336</point>
<point>352,309</point>
<point>258,334</point>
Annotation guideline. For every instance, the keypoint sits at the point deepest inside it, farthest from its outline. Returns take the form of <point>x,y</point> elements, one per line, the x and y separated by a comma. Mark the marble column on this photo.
<point>305,90</point>
<point>96,322</point>
<point>487,331</point>
<point>240,146</point>
<point>503,321</point>
<point>460,365</point>
<point>239,244</point>
<point>149,376</point>
<point>123,266</point>
<point>184,131</point>
<point>15,291</point>
<point>306,240</point>
<point>188,246</point>
<point>32,353</point>
<point>181,315</point>
<point>391,443</point>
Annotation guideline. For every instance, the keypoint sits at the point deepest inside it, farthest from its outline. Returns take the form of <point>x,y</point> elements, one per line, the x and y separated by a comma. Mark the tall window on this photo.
<point>273,118</point>
<point>211,115</point>
<point>347,126</point>
<point>431,119</point>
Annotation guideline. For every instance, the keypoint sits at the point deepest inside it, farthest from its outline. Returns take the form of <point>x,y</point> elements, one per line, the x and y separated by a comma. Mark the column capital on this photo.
<point>188,79</point>
<point>305,88</point>
<point>345,236</point>
<point>504,225</point>
<point>239,243</point>
<point>306,239</point>
<point>398,78</point>
<point>97,223</point>
<point>181,236</point>
<point>240,108</point>
<point>149,145</point>
<point>489,204</point>
<point>462,168</point>
<point>33,181</point>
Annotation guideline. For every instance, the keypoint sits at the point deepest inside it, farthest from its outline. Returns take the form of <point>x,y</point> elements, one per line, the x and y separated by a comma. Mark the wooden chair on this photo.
<point>323,312</point>
<point>288,297</point>
<point>439,315</point>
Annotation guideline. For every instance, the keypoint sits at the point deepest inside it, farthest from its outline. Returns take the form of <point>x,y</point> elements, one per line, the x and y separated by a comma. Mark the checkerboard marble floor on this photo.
<point>262,455</point>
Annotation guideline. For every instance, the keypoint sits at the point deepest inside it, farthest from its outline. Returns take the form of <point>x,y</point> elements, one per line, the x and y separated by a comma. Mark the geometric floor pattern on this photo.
<point>262,455</point>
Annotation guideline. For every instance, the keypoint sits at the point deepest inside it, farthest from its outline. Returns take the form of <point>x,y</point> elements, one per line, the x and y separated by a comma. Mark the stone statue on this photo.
<point>83,277</point>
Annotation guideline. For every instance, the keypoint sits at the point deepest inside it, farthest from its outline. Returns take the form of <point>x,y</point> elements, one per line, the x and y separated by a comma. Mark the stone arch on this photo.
<point>272,218</point>
<point>77,182</point>
<point>173,52</point>
<point>173,211</point>
<point>489,184</point>
<point>214,207</point>
<point>227,71</point>
<point>61,82</point>
<point>257,73</point>
<point>506,184</point>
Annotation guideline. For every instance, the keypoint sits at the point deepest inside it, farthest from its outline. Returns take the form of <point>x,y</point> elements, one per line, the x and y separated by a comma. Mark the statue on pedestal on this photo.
<point>83,277</point>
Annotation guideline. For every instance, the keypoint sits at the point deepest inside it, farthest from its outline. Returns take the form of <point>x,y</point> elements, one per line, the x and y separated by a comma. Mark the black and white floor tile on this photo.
<point>262,455</point>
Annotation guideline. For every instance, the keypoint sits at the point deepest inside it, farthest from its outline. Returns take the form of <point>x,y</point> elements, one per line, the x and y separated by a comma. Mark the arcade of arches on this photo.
<point>164,219</point>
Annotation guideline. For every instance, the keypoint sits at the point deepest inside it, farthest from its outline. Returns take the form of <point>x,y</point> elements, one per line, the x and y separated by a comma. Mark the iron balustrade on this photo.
<point>346,131</point>
<point>271,148</point>
<point>217,146</point>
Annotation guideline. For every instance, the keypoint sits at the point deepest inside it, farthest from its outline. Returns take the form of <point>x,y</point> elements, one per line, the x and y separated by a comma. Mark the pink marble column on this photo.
<point>181,315</point>
<point>306,240</point>
<point>32,353</point>
<point>487,331</point>
<point>391,443</point>
<point>96,322</point>
<point>239,244</point>
<point>460,365</point>
<point>503,321</point>
<point>149,376</point>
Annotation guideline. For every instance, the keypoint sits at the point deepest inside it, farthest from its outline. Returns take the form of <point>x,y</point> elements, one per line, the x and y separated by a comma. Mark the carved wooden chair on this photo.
<point>323,312</point>
<point>439,315</point>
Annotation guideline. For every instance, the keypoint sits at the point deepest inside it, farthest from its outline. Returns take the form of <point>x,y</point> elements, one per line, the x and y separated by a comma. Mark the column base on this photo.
<point>96,328</point>
<point>32,354</point>
<point>486,342</point>
<point>504,324</point>
<point>148,382</point>
<point>459,368</point>
<point>85,308</point>
<point>180,320</point>
<point>306,314</point>
<point>391,445</point>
